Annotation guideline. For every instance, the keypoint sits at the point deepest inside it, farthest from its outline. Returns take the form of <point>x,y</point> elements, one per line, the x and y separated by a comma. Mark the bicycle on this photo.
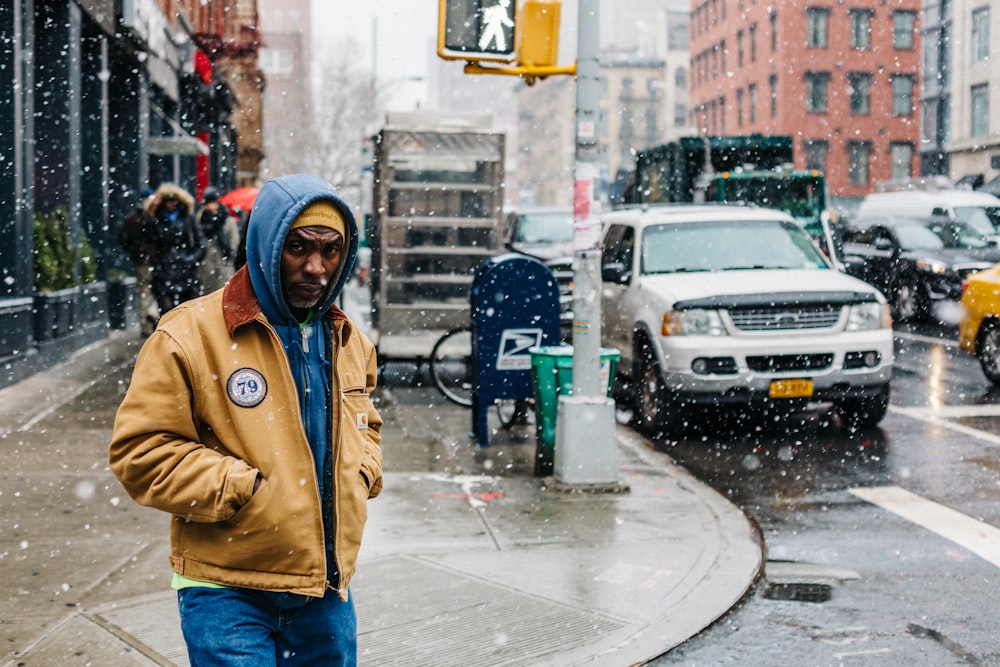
<point>451,370</point>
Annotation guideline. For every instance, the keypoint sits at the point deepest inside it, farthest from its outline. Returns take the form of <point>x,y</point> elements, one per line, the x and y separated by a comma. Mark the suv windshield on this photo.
<point>958,235</point>
<point>555,227</point>
<point>728,246</point>
<point>986,219</point>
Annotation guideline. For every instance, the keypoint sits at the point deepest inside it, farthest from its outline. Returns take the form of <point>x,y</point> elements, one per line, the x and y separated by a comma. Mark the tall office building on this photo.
<point>286,60</point>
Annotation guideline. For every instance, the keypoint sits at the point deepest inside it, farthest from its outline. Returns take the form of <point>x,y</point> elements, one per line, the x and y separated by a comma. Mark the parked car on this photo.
<point>546,233</point>
<point>918,263</point>
<point>979,325</point>
<point>980,210</point>
<point>736,307</point>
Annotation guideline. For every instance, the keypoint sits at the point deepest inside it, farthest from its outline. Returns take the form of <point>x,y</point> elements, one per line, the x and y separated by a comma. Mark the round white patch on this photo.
<point>246,387</point>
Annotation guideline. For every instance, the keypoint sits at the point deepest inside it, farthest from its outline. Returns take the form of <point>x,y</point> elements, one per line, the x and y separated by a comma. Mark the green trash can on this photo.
<point>551,377</point>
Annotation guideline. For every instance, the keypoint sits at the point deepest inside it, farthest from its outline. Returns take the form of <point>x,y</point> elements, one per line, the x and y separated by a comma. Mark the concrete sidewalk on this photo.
<point>468,558</point>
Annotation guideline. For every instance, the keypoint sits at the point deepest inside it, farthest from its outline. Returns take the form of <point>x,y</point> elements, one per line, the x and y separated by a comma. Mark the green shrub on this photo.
<point>55,255</point>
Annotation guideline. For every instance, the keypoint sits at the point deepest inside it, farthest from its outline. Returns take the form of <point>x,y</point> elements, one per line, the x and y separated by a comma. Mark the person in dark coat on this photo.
<point>180,247</point>
<point>221,235</point>
<point>136,236</point>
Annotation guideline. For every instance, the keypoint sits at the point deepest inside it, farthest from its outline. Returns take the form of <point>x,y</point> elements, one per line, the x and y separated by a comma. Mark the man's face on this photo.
<point>310,257</point>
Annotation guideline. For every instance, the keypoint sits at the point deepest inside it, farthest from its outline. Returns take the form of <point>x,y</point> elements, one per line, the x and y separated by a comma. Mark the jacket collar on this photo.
<point>240,305</point>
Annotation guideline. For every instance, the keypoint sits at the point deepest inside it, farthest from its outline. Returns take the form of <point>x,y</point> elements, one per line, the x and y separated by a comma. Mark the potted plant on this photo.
<point>60,269</point>
<point>121,299</point>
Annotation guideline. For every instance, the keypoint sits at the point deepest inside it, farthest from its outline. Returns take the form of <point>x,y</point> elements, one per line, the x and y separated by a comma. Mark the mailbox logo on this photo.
<point>513,354</point>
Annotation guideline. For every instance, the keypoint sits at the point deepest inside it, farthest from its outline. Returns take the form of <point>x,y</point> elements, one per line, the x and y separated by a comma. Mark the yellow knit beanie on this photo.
<point>321,213</point>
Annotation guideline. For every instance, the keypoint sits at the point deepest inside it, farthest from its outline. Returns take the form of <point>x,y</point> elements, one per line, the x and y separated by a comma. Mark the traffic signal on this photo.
<point>477,30</point>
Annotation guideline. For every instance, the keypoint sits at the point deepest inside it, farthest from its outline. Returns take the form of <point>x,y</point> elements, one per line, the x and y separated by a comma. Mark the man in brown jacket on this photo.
<point>249,419</point>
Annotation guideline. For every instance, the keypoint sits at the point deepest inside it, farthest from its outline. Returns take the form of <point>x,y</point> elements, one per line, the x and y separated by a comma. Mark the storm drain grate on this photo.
<point>799,592</point>
<point>413,613</point>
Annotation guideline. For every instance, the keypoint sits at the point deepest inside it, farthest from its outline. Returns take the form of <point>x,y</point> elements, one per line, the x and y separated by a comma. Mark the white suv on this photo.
<point>733,306</point>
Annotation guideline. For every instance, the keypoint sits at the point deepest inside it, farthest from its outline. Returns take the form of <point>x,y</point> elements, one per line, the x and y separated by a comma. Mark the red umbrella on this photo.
<point>241,198</point>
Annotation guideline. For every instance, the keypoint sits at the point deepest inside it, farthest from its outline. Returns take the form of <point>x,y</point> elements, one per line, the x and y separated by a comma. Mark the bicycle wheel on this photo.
<point>451,365</point>
<point>514,412</point>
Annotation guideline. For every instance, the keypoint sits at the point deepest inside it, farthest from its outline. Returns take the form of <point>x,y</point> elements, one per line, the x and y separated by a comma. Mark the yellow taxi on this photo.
<point>979,326</point>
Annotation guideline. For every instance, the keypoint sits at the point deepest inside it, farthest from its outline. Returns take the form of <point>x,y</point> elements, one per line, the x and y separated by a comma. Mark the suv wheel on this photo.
<point>988,351</point>
<point>864,412</point>
<point>907,303</point>
<point>654,412</point>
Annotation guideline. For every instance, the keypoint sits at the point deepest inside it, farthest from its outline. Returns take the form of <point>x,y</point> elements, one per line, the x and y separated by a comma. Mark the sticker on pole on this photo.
<point>513,354</point>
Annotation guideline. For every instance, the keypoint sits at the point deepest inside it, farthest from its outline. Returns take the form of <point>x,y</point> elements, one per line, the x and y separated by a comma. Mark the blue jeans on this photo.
<point>239,627</point>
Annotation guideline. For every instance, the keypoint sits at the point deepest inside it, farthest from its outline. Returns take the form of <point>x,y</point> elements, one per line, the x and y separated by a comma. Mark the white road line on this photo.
<point>980,538</point>
<point>938,417</point>
<point>954,411</point>
<point>930,340</point>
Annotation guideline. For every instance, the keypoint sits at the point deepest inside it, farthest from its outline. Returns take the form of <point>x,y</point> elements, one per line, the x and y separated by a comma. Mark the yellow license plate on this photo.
<point>791,388</point>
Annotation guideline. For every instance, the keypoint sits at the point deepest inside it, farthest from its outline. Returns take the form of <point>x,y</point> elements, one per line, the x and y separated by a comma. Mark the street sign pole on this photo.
<point>586,450</point>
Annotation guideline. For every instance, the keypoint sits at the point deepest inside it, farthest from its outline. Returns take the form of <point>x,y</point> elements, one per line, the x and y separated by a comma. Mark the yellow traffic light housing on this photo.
<point>498,31</point>
<point>539,26</point>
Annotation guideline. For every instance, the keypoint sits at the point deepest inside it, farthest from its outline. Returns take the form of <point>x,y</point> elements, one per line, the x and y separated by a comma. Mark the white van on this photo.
<point>980,210</point>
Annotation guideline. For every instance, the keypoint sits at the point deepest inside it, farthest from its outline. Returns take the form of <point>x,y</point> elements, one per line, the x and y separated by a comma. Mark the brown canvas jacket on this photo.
<point>212,402</point>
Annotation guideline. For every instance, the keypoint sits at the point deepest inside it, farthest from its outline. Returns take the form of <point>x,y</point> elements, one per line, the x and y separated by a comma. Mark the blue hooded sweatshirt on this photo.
<point>306,344</point>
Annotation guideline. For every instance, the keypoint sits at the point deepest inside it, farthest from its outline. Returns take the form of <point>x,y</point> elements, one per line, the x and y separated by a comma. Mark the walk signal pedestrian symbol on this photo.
<point>477,29</point>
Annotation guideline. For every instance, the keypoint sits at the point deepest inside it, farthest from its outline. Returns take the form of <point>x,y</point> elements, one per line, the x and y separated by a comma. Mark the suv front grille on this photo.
<point>789,362</point>
<point>784,318</point>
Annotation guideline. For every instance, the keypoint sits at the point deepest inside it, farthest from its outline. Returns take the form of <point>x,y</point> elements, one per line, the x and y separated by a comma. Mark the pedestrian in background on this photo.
<point>221,235</point>
<point>249,418</point>
<point>179,246</point>
<point>137,237</point>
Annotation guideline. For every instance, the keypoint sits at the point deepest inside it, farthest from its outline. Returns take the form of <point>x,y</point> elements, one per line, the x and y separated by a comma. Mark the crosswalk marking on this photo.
<point>980,538</point>
<point>939,417</point>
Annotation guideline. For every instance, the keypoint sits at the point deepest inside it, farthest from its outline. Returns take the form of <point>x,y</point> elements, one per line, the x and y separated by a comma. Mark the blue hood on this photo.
<point>277,205</point>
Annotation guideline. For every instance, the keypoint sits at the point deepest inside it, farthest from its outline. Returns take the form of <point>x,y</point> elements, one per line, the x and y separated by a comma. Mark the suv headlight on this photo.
<point>869,316</point>
<point>932,266</point>
<point>695,322</point>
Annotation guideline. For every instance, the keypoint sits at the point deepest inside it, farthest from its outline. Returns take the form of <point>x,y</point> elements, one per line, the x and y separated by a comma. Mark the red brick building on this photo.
<point>841,78</point>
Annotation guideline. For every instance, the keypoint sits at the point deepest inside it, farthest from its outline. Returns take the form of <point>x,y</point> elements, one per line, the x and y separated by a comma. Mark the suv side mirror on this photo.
<point>615,272</point>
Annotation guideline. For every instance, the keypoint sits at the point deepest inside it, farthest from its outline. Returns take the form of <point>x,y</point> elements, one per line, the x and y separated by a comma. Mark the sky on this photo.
<point>404,32</point>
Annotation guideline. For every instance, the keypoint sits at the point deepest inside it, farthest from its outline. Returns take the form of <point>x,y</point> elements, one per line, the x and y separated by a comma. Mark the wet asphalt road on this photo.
<point>851,581</point>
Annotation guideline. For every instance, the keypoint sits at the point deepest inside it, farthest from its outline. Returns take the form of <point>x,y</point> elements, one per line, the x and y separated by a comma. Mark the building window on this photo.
<point>816,85</point>
<point>275,61</point>
<point>980,124</point>
<point>774,32</point>
<point>857,162</point>
<point>861,92</point>
<point>753,42</point>
<point>752,102</point>
<point>980,34</point>
<point>739,48</point>
<point>816,153</point>
<point>772,83</point>
<point>739,108</point>
<point>861,28</point>
<point>677,32</point>
<point>722,115</point>
<point>901,155</point>
<point>817,32</point>
<point>902,94</point>
<point>903,29</point>
<point>680,78</point>
<point>680,115</point>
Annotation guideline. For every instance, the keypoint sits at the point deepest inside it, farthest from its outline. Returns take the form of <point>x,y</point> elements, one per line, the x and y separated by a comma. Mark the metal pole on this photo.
<point>586,445</point>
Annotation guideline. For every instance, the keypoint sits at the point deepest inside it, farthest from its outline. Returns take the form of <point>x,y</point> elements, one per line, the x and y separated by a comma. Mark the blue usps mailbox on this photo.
<point>515,306</point>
